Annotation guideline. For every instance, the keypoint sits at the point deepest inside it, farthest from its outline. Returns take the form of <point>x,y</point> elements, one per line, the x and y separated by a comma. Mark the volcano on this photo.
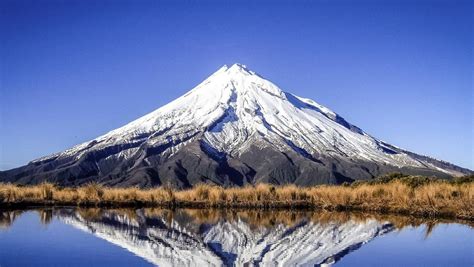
<point>233,129</point>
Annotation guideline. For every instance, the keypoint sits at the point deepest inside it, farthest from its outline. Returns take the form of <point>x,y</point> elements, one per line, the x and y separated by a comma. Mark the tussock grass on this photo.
<point>390,194</point>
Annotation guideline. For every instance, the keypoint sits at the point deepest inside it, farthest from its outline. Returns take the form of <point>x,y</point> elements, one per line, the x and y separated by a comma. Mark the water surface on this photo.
<point>157,237</point>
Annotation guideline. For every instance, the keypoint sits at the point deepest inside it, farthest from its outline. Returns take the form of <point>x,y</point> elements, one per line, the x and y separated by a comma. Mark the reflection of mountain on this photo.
<point>306,243</point>
<point>152,239</point>
<point>179,241</point>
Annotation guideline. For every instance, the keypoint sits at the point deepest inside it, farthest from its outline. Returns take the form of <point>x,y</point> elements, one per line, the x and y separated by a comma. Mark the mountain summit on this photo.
<point>234,128</point>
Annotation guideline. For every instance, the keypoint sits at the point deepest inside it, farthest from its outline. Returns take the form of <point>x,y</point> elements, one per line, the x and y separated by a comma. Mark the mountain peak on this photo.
<point>234,128</point>
<point>239,66</point>
<point>235,69</point>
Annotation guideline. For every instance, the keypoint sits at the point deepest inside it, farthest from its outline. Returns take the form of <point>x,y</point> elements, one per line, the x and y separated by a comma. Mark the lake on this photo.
<point>199,237</point>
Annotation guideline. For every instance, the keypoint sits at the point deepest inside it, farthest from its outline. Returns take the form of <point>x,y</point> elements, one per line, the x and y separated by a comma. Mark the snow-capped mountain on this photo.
<point>234,128</point>
<point>230,243</point>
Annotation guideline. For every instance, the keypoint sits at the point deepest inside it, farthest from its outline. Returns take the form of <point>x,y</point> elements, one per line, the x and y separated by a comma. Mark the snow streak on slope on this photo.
<point>229,243</point>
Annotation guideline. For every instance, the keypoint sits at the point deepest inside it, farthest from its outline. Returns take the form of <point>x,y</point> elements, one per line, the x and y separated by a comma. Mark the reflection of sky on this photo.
<point>447,245</point>
<point>29,243</point>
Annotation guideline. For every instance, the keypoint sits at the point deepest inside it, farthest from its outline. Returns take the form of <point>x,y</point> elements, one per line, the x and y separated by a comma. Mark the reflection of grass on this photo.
<point>8,217</point>
<point>270,218</point>
<point>407,195</point>
<point>254,218</point>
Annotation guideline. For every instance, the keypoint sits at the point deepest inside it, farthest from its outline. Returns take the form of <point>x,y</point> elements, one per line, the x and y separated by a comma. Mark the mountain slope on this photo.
<point>234,128</point>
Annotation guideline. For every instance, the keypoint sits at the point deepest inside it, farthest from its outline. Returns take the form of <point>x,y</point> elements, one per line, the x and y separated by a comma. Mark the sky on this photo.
<point>73,70</point>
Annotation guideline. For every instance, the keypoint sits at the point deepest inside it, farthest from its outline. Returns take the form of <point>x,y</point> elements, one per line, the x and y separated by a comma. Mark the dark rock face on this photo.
<point>196,163</point>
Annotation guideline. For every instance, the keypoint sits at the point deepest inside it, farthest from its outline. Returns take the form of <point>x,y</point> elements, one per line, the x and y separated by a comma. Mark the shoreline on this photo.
<point>238,209</point>
<point>205,206</point>
<point>256,217</point>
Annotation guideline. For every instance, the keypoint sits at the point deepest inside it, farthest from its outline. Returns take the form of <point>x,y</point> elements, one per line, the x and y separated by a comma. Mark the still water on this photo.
<point>157,237</point>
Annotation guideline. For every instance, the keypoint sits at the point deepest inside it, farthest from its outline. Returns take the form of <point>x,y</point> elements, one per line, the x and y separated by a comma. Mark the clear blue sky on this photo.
<point>73,70</point>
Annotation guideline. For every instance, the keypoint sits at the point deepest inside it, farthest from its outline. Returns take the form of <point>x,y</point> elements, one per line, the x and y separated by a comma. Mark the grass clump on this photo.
<point>47,190</point>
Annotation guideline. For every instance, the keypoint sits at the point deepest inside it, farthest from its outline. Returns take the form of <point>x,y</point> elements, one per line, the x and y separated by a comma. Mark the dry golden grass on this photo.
<point>435,198</point>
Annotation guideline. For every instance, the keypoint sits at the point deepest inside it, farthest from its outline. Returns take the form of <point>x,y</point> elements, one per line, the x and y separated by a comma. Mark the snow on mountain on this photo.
<point>238,120</point>
<point>230,243</point>
<point>235,106</point>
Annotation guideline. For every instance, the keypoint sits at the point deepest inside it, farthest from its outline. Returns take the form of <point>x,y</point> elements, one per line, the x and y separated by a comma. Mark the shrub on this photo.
<point>202,192</point>
<point>92,192</point>
<point>463,179</point>
<point>416,181</point>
